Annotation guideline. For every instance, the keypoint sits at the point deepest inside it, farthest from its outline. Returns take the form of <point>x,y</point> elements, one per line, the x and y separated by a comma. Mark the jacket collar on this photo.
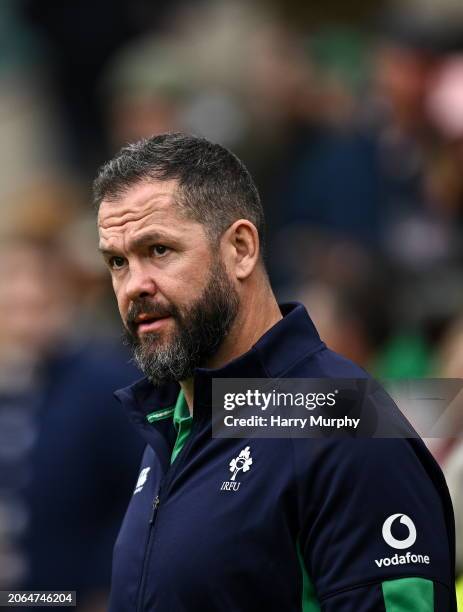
<point>287,342</point>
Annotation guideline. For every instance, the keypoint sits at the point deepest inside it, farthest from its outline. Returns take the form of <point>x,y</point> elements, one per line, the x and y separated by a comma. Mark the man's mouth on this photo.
<point>148,323</point>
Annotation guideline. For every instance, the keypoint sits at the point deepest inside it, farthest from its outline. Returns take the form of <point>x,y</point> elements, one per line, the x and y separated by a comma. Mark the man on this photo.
<point>311,525</point>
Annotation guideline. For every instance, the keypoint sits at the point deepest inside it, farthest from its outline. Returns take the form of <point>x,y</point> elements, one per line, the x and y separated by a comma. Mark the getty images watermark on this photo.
<point>322,407</point>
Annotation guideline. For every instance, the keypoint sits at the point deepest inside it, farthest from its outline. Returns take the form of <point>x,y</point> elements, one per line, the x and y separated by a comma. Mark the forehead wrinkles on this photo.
<point>165,221</point>
<point>119,214</point>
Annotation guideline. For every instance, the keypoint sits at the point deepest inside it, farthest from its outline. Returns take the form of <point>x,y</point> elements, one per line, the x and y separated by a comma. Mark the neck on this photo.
<point>259,311</point>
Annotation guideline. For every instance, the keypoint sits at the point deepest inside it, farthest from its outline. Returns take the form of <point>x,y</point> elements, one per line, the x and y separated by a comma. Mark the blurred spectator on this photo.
<point>79,39</point>
<point>450,365</point>
<point>453,470</point>
<point>68,456</point>
<point>344,291</point>
<point>146,90</point>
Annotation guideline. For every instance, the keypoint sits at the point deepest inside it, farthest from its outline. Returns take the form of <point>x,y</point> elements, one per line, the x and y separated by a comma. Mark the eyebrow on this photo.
<point>140,242</point>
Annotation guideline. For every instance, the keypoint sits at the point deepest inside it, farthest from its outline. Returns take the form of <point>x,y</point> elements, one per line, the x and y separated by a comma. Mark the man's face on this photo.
<point>175,297</point>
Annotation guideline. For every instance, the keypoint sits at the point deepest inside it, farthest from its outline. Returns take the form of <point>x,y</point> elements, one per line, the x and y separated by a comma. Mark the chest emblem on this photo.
<point>242,463</point>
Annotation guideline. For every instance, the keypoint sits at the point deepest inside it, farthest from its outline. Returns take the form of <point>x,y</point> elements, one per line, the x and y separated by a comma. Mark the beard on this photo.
<point>200,329</point>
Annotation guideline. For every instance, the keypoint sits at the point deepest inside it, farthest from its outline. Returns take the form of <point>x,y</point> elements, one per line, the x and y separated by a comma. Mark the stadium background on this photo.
<point>350,117</point>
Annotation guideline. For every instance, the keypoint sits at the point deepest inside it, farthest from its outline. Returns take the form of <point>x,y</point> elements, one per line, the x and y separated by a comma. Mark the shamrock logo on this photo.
<point>242,462</point>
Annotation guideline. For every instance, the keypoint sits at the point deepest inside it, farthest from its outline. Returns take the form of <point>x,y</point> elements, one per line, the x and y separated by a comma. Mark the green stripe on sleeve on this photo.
<point>309,601</point>
<point>408,595</point>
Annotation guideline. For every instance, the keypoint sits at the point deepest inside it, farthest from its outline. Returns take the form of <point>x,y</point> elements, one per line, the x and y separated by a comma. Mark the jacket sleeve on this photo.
<point>376,528</point>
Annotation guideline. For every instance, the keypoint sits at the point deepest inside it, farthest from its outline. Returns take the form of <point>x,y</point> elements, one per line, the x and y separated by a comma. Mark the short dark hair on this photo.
<point>215,187</point>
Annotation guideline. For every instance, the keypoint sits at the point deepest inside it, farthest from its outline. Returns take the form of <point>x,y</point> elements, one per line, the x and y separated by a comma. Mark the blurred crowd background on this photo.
<point>350,117</point>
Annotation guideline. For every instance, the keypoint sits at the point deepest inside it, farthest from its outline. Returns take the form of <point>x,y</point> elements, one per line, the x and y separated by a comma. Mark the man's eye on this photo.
<point>116,262</point>
<point>159,250</point>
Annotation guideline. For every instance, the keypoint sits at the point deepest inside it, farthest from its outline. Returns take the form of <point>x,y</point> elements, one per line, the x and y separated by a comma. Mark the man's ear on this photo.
<point>241,244</point>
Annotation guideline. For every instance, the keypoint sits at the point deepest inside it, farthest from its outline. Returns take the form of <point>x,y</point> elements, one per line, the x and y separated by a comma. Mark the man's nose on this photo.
<point>140,283</point>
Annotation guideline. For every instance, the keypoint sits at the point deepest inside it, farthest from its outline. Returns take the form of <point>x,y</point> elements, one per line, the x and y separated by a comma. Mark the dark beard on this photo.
<point>201,329</point>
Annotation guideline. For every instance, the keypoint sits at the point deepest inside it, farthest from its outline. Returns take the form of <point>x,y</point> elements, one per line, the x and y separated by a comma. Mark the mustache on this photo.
<point>147,306</point>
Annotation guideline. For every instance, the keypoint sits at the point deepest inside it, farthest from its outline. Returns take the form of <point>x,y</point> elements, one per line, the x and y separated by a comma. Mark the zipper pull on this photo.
<point>154,509</point>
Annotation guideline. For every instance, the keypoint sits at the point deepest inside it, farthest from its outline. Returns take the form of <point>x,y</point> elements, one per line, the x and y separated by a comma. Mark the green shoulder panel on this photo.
<point>408,595</point>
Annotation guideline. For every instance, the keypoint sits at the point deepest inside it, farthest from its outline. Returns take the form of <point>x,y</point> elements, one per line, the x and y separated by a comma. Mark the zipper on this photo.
<point>154,505</point>
<point>152,521</point>
<point>167,480</point>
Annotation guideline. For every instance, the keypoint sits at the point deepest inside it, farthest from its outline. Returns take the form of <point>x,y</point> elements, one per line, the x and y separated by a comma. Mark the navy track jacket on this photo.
<point>307,529</point>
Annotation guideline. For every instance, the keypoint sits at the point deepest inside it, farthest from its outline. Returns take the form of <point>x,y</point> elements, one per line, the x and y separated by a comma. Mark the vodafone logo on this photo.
<point>391,540</point>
